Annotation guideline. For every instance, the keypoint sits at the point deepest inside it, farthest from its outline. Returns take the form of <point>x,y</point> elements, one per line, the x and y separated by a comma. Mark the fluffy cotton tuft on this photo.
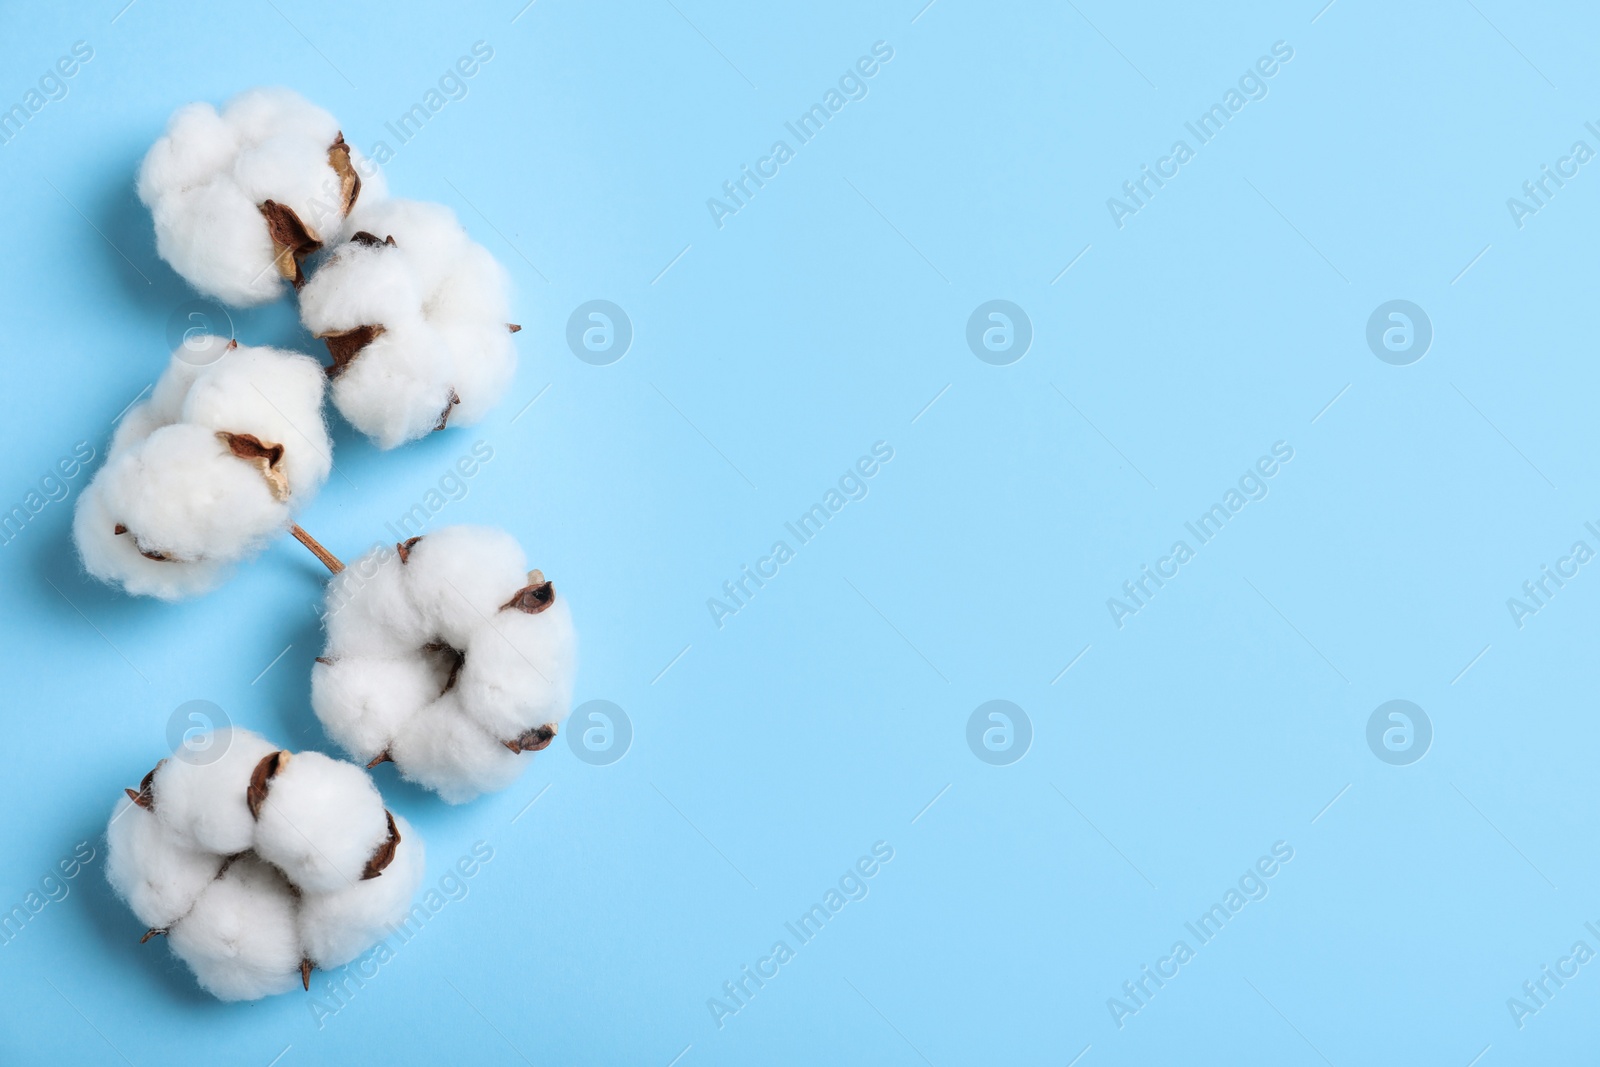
<point>241,196</point>
<point>414,313</point>
<point>448,657</point>
<point>205,472</point>
<point>259,865</point>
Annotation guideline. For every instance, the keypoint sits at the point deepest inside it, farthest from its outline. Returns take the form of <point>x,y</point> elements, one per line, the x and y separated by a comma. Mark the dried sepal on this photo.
<point>382,757</point>
<point>370,240</point>
<point>349,177</point>
<point>444,416</point>
<point>154,931</point>
<point>346,346</point>
<point>383,855</point>
<point>305,973</point>
<point>403,548</point>
<point>535,740</point>
<point>261,779</point>
<point>263,455</point>
<point>160,557</point>
<point>452,657</point>
<point>534,597</point>
<point>144,796</point>
<point>291,240</point>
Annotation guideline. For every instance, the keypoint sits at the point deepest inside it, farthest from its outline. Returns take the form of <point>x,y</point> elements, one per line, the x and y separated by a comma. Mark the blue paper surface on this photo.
<point>1185,465</point>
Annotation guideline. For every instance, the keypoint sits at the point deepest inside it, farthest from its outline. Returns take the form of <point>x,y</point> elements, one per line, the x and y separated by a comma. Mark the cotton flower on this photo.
<point>240,197</point>
<point>259,865</point>
<point>205,471</point>
<point>448,657</point>
<point>414,314</point>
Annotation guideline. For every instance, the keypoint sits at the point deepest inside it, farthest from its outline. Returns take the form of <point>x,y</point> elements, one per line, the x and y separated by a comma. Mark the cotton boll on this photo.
<point>198,145</point>
<point>442,355</point>
<point>473,289</point>
<point>205,472</point>
<point>483,361</point>
<point>242,937</point>
<point>458,578</point>
<point>151,869</point>
<point>203,803</point>
<point>441,749</point>
<point>115,558</point>
<point>360,283</point>
<point>369,699</point>
<point>490,653</point>
<point>523,679</point>
<point>320,823</point>
<point>260,113</point>
<point>215,237</point>
<point>184,496</point>
<point>301,865</point>
<point>398,389</point>
<point>217,183</point>
<point>337,927</point>
<point>368,610</point>
<point>273,395</point>
<point>163,408</point>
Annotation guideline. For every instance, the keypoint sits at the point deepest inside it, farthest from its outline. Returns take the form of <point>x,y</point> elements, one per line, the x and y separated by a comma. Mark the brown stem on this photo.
<point>328,559</point>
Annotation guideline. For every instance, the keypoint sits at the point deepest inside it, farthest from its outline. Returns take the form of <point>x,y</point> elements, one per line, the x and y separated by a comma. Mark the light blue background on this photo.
<point>825,716</point>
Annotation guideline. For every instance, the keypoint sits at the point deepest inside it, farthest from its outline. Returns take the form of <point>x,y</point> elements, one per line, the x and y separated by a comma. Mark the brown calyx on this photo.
<point>261,779</point>
<point>534,597</point>
<point>404,548</point>
<point>370,240</point>
<point>152,932</point>
<point>346,346</point>
<point>453,657</point>
<point>444,416</point>
<point>383,855</point>
<point>143,796</point>
<point>535,740</point>
<point>291,240</point>
<point>305,972</point>
<point>262,455</point>
<point>160,557</point>
<point>382,757</point>
<point>349,177</point>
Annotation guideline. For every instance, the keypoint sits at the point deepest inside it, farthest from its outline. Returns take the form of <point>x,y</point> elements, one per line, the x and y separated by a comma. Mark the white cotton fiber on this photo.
<point>491,653</point>
<point>442,749</point>
<point>157,874</point>
<point>414,313</point>
<point>377,694</point>
<point>337,927</point>
<point>321,822</point>
<point>183,493</point>
<point>241,938</point>
<point>204,803</point>
<point>217,183</point>
<point>301,866</point>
